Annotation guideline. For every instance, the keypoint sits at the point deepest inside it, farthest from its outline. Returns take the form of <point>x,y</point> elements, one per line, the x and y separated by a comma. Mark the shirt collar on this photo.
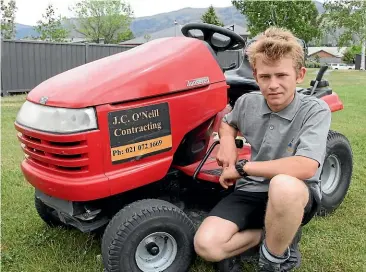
<point>288,112</point>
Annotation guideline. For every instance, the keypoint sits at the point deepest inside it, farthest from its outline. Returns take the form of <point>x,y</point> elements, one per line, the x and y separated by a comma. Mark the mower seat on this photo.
<point>241,81</point>
<point>242,76</point>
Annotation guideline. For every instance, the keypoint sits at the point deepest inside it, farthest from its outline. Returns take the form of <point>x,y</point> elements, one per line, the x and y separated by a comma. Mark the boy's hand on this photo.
<point>227,154</point>
<point>229,176</point>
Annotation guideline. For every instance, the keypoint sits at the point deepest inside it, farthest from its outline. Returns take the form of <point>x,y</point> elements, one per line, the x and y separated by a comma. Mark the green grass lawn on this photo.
<point>334,243</point>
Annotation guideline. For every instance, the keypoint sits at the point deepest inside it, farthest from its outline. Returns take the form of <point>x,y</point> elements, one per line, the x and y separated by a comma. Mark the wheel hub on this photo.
<point>152,248</point>
<point>331,174</point>
<point>156,252</point>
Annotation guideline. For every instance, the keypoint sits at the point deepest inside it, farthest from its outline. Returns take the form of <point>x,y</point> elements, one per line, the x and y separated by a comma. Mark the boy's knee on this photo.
<point>285,190</point>
<point>206,248</point>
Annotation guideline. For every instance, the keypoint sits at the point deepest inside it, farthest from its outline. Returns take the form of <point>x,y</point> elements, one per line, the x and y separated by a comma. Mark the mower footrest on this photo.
<point>214,172</point>
<point>85,226</point>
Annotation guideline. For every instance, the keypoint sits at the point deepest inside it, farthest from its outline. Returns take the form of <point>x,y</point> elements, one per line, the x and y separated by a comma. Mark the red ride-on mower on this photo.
<point>128,142</point>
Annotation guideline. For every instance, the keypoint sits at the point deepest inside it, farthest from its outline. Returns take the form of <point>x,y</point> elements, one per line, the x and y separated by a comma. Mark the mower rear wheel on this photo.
<point>47,214</point>
<point>149,235</point>
<point>337,172</point>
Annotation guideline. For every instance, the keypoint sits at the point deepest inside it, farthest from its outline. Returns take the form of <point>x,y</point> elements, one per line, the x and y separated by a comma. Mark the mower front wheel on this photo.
<point>149,235</point>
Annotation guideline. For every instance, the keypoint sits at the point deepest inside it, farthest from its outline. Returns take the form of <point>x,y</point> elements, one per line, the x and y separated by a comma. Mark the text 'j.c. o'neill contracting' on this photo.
<point>139,132</point>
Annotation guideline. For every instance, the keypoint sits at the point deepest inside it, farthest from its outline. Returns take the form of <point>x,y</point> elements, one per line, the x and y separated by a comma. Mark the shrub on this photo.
<point>312,64</point>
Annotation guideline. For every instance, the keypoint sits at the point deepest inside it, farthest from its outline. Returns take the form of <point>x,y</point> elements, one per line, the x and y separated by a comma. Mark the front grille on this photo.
<point>67,157</point>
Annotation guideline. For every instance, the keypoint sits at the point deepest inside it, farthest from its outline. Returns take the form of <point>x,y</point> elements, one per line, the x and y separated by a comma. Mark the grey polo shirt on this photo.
<point>300,129</point>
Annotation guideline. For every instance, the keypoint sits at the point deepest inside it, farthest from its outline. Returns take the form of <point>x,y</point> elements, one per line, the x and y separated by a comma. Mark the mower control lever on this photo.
<point>321,72</point>
<point>319,77</point>
<point>215,143</point>
<point>238,142</point>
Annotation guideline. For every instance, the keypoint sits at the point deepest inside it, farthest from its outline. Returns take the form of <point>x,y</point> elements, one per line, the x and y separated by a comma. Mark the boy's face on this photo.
<point>277,81</point>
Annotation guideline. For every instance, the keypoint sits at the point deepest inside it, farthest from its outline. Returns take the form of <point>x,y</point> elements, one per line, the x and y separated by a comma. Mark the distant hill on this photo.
<point>24,31</point>
<point>229,15</point>
<point>149,24</point>
<point>144,25</point>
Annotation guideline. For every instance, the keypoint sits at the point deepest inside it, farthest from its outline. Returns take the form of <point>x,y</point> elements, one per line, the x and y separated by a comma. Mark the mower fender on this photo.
<point>333,101</point>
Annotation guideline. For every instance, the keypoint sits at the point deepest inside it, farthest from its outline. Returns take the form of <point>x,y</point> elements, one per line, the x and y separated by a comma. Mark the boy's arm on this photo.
<point>227,154</point>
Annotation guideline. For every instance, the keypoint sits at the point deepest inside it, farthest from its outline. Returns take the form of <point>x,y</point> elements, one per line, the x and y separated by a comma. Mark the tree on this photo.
<point>350,54</point>
<point>50,28</point>
<point>300,17</point>
<point>210,17</point>
<point>8,11</point>
<point>108,20</point>
<point>125,36</point>
<point>350,17</point>
<point>147,37</point>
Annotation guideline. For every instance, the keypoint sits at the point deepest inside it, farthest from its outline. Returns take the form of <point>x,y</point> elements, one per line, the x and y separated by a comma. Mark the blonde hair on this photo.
<point>274,44</point>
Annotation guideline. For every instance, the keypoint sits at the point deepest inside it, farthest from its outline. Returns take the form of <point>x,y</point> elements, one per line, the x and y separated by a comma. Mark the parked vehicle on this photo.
<point>341,66</point>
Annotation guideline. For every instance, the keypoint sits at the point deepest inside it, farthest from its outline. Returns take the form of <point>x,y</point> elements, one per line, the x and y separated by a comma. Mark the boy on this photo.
<point>278,190</point>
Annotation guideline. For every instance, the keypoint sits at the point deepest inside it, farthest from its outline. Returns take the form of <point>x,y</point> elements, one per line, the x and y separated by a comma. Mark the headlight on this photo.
<point>58,120</point>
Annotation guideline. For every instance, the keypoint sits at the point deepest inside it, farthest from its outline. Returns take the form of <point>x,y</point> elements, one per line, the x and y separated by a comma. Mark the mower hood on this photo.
<point>158,67</point>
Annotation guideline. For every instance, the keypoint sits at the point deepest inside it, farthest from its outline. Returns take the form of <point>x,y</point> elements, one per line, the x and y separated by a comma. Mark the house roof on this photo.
<point>335,51</point>
<point>176,31</point>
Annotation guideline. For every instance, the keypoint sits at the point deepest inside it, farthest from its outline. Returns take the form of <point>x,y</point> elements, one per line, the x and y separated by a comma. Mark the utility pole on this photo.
<point>175,28</point>
<point>363,40</point>
<point>363,55</point>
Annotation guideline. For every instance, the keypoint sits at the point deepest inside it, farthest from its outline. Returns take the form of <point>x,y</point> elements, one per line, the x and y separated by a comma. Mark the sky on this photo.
<point>29,12</point>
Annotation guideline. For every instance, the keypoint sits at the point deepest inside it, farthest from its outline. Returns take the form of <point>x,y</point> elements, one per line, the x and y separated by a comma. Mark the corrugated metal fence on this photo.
<point>25,64</point>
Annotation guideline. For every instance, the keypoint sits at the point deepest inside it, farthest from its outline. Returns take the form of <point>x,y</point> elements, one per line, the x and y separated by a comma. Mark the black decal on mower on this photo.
<point>139,132</point>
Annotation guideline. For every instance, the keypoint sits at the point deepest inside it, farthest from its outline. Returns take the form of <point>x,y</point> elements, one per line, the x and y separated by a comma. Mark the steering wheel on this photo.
<point>236,41</point>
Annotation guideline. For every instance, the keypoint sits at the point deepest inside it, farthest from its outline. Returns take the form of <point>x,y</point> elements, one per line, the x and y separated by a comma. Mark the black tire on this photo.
<point>47,214</point>
<point>338,149</point>
<point>229,265</point>
<point>138,220</point>
<point>234,264</point>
